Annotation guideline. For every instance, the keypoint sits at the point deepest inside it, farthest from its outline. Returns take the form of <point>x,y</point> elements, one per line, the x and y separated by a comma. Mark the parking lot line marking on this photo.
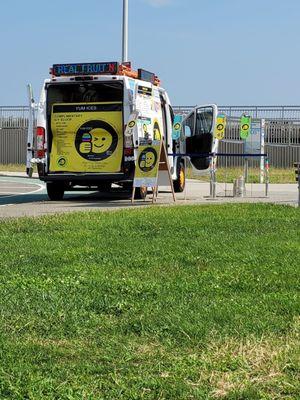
<point>17,187</point>
<point>41,187</point>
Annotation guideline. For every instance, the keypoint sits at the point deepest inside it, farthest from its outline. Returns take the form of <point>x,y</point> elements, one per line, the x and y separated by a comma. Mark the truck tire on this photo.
<point>29,172</point>
<point>140,193</point>
<point>55,190</point>
<point>179,183</point>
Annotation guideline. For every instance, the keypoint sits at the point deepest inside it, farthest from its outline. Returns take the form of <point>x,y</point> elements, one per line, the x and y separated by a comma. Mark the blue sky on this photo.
<point>230,52</point>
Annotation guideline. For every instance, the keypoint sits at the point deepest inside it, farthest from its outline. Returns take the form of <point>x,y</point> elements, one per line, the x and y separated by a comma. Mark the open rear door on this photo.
<point>85,127</point>
<point>199,128</point>
<point>30,134</point>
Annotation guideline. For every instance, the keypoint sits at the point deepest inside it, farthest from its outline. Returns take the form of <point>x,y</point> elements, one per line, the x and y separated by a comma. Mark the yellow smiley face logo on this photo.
<point>96,140</point>
<point>101,140</point>
<point>149,160</point>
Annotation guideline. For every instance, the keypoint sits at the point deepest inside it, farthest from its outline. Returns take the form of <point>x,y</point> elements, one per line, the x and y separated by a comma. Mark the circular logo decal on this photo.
<point>220,127</point>
<point>245,127</point>
<point>219,135</point>
<point>131,124</point>
<point>96,140</point>
<point>61,162</point>
<point>177,126</point>
<point>147,159</point>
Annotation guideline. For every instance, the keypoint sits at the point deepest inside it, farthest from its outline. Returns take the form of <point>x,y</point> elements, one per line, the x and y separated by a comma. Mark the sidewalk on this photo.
<point>18,174</point>
<point>198,192</point>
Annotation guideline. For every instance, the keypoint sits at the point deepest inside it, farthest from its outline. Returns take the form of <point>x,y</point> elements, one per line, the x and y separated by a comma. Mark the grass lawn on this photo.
<point>163,303</point>
<point>229,174</point>
<point>13,167</point>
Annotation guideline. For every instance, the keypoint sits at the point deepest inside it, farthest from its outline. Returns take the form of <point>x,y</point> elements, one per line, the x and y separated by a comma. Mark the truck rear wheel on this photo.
<point>140,193</point>
<point>55,190</point>
<point>29,172</point>
<point>179,183</point>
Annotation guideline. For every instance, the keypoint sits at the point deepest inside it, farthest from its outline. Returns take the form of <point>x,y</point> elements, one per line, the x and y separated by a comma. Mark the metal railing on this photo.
<point>13,134</point>
<point>282,132</point>
<point>267,112</point>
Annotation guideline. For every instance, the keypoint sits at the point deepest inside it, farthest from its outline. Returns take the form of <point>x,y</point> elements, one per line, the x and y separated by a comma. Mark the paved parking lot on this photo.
<point>27,197</point>
<point>13,187</point>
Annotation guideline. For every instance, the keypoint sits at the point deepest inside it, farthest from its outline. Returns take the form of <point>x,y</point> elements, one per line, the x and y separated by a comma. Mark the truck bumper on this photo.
<point>82,177</point>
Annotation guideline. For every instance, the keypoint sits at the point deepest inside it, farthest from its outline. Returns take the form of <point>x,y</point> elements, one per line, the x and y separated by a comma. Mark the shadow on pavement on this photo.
<point>22,198</point>
<point>115,197</point>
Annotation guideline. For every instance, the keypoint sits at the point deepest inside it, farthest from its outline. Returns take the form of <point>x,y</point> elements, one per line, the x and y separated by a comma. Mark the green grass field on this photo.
<point>13,167</point>
<point>163,303</point>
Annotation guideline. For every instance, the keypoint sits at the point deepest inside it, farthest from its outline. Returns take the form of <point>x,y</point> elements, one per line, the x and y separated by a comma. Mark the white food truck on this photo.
<point>91,118</point>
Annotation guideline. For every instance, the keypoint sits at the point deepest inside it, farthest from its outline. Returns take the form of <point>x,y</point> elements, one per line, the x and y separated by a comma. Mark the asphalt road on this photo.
<point>27,197</point>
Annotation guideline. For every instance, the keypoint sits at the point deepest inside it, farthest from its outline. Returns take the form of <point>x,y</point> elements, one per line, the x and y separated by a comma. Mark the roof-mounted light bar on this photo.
<point>147,76</point>
<point>99,68</point>
<point>142,74</point>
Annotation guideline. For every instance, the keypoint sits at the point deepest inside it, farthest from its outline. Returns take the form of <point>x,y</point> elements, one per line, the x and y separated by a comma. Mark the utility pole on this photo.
<point>125,32</point>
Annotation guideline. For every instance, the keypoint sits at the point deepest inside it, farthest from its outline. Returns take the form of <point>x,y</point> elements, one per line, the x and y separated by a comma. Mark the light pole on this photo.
<point>125,32</point>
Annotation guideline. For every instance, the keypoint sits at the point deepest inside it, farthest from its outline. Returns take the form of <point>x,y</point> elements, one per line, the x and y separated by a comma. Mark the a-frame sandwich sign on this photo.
<point>152,168</point>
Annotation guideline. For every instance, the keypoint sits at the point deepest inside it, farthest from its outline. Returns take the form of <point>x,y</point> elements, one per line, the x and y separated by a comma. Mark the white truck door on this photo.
<point>30,134</point>
<point>198,128</point>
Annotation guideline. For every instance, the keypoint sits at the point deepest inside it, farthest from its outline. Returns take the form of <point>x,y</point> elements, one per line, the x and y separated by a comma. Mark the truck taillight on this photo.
<point>128,152</point>
<point>40,142</point>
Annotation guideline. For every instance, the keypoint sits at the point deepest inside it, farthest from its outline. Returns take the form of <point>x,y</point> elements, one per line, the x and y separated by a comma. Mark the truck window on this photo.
<point>204,121</point>
<point>83,93</point>
<point>172,114</point>
<point>164,118</point>
<point>190,122</point>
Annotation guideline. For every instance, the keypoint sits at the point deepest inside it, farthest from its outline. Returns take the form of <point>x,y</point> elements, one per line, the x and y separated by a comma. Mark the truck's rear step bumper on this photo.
<point>82,177</point>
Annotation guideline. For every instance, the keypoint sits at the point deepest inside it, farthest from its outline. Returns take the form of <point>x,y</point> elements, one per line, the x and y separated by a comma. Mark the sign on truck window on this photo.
<point>86,137</point>
<point>220,127</point>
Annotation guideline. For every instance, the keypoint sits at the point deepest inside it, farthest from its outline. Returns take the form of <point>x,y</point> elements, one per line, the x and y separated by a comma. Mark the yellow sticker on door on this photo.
<point>86,137</point>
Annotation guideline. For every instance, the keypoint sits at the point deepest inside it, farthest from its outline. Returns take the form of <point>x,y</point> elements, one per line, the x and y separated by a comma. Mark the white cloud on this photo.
<point>159,3</point>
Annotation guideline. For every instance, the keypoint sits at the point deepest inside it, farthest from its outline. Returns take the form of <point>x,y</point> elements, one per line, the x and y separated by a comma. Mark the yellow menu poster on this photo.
<point>86,137</point>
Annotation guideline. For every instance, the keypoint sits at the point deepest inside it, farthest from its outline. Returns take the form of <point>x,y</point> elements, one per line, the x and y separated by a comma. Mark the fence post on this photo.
<point>262,150</point>
<point>297,173</point>
<point>212,187</point>
<point>267,176</point>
